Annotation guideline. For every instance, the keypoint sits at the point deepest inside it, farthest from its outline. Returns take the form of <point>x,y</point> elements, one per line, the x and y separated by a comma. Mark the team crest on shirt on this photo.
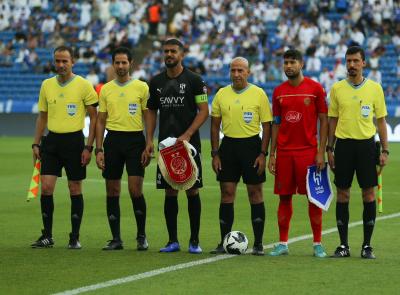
<point>182,87</point>
<point>71,109</point>
<point>132,108</point>
<point>307,101</point>
<point>247,117</point>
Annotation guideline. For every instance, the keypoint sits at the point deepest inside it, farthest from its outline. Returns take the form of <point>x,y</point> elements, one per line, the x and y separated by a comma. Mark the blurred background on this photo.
<point>213,33</point>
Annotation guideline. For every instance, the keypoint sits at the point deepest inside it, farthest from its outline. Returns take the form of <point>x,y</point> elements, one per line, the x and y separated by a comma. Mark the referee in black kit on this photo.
<point>122,108</point>
<point>181,98</point>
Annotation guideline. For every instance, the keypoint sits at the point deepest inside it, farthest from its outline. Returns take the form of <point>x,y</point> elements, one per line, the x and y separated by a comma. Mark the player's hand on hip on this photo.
<point>331,161</point>
<point>320,161</point>
<point>216,164</point>
<point>260,163</point>
<point>272,165</point>
<point>85,157</point>
<point>145,158</point>
<point>100,160</point>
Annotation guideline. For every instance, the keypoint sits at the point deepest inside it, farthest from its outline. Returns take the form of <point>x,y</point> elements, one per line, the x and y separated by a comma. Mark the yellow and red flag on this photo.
<point>34,186</point>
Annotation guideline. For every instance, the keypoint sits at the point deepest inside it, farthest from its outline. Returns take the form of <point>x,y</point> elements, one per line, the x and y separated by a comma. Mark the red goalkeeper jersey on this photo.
<point>297,109</point>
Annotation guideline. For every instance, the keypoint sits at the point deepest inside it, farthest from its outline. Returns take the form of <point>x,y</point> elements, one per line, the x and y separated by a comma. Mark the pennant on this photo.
<point>319,189</point>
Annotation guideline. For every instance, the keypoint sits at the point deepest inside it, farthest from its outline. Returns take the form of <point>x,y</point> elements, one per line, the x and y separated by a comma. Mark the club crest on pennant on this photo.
<point>132,108</point>
<point>247,117</point>
<point>71,109</point>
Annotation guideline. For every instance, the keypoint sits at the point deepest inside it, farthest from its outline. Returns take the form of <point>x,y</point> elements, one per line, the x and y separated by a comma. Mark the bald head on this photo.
<point>240,61</point>
<point>239,71</point>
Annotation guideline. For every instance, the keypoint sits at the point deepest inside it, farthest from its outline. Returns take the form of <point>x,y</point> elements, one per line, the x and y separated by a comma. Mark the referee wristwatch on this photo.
<point>89,148</point>
<point>264,153</point>
<point>329,149</point>
<point>35,145</point>
<point>214,153</point>
<point>385,152</point>
<point>98,150</point>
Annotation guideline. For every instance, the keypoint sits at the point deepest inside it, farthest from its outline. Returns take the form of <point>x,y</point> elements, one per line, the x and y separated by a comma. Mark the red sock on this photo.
<point>285,211</point>
<point>315,214</point>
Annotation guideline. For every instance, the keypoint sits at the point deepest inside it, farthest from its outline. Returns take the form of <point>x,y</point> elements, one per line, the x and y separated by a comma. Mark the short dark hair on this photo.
<point>293,54</point>
<point>122,50</point>
<point>65,48</point>
<point>174,41</point>
<point>354,50</point>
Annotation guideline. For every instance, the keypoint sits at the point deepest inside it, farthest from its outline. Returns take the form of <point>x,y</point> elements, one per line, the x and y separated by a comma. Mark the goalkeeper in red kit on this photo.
<point>297,105</point>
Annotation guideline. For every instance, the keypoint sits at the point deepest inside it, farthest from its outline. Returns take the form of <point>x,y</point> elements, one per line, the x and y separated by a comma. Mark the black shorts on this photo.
<point>359,156</point>
<point>162,184</point>
<point>60,150</point>
<point>122,148</point>
<point>237,159</point>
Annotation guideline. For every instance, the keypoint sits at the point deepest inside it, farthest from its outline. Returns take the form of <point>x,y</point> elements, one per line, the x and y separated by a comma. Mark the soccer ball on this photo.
<point>235,242</point>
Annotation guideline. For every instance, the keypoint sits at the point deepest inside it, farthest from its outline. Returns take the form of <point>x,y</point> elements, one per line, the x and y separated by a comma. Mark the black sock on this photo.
<point>139,209</point>
<point>113,215</point>
<point>342,221</point>
<point>226,216</point>
<point>76,213</point>
<point>194,209</point>
<point>171,215</point>
<point>47,208</point>
<point>369,215</point>
<point>258,220</point>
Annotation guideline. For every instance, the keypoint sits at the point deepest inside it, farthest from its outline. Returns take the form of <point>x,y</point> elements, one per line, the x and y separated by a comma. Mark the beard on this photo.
<point>292,75</point>
<point>121,73</point>
<point>171,64</point>
<point>351,72</point>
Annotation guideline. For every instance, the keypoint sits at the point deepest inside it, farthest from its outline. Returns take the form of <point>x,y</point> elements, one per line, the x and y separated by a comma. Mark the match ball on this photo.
<point>235,242</point>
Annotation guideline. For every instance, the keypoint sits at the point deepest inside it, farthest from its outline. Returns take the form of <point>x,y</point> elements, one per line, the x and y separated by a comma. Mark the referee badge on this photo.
<point>71,109</point>
<point>247,117</point>
<point>365,110</point>
<point>133,108</point>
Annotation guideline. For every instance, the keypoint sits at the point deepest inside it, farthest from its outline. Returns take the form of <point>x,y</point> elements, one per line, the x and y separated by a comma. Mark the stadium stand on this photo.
<point>214,31</point>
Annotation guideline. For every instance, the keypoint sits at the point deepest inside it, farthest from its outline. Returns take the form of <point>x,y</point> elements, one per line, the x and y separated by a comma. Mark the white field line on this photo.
<point>172,268</point>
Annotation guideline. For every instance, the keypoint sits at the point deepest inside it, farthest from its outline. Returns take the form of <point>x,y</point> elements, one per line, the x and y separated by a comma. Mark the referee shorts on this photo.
<point>120,148</point>
<point>162,184</point>
<point>60,150</point>
<point>237,160</point>
<point>291,171</point>
<point>359,156</point>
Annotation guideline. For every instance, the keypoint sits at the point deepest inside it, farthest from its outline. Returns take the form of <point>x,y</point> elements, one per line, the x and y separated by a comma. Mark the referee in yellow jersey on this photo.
<point>354,102</point>
<point>63,103</point>
<point>122,107</point>
<point>241,107</point>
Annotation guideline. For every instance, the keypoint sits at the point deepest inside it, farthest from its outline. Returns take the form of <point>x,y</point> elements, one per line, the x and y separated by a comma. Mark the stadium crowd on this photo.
<point>214,31</point>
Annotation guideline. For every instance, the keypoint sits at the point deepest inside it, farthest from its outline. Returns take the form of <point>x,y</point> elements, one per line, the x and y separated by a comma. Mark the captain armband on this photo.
<point>201,98</point>
<point>276,120</point>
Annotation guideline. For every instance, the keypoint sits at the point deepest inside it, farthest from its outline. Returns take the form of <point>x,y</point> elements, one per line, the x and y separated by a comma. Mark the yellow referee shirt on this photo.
<point>241,112</point>
<point>124,104</point>
<point>65,103</point>
<point>355,108</point>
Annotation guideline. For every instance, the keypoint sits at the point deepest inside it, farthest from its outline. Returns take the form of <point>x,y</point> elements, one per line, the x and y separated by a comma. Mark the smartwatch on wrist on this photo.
<point>214,153</point>
<point>385,152</point>
<point>329,149</point>
<point>98,150</point>
<point>89,148</point>
<point>264,153</point>
<point>35,145</point>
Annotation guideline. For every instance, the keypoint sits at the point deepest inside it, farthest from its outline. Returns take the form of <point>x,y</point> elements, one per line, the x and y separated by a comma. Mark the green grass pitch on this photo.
<point>45,271</point>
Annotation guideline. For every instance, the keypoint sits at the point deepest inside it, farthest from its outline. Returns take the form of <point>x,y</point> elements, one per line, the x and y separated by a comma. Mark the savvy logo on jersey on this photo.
<point>293,116</point>
<point>172,100</point>
<point>71,109</point>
